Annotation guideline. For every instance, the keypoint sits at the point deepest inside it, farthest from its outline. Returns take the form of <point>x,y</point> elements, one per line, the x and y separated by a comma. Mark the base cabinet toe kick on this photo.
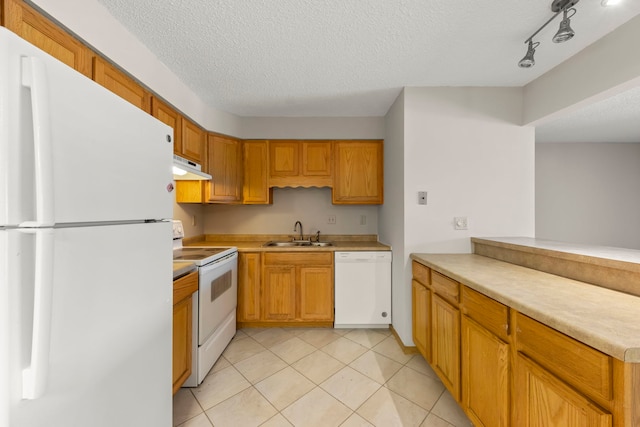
<point>505,368</point>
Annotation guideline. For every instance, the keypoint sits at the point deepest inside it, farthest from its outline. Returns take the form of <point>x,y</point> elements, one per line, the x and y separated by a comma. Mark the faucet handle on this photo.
<point>317,236</point>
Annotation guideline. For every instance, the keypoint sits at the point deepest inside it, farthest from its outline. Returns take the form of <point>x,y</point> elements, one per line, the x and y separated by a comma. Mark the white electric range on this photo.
<point>214,304</point>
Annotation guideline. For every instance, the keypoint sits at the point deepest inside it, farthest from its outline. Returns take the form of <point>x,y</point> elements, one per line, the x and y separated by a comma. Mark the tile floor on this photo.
<point>317,377</point>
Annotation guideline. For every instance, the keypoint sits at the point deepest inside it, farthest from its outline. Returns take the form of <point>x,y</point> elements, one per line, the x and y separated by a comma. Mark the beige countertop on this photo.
<point>602,318</point>
<point>180,268</point>
<point>254,243</point>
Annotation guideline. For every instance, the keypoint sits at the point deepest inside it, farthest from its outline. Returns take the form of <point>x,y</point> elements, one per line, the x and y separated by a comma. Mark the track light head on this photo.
<point>565,32</point>
<point>528,61</point>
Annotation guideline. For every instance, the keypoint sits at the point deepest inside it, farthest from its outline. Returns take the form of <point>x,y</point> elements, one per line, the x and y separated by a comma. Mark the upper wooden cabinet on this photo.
<point>193,142</point>
<point>358,173</point>
<point>225,166</point>
<point>255,186</point>
<point>121,84</point>
<point>300,164</point>
<point>32,26</point>
<point>170,117</point>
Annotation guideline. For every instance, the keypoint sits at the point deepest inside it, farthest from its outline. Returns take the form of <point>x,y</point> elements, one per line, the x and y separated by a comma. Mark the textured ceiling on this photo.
<point>350,57</point>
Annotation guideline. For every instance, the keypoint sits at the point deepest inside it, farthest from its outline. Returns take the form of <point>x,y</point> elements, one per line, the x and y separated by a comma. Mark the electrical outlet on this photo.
<point>331,219</point>
<point>460,223</point>
<point>363,220</point>
<point>422,197</point>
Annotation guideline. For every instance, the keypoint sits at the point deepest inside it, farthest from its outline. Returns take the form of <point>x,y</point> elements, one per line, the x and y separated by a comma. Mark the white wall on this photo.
<point>588,193</point>
<point>311,206</point>
<point>91,22</point>
<point>312,128</point>
<point>465,147</point>
<point>391,218</point>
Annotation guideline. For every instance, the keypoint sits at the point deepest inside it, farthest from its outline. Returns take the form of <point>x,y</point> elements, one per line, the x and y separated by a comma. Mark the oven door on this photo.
<point>218,294</point>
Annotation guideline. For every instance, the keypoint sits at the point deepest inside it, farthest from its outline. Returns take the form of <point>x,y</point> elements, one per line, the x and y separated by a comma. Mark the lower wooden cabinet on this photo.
<point>285,287</point>
<point>445,344</point>
<point>485,376</point>
<point>507,369</point>
<point>421,296</point>
<point>183,289</point>
<point>485,359</point>
<point>542,400</point>
<point>249,279</point>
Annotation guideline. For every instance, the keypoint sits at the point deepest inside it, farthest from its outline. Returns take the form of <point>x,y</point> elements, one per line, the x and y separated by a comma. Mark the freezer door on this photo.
<point>99,158</point>
<point>90,342</point>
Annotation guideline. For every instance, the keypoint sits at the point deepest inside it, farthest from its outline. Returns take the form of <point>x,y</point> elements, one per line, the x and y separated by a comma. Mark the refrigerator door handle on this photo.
<point>34,377</point>
<point>34,76</point>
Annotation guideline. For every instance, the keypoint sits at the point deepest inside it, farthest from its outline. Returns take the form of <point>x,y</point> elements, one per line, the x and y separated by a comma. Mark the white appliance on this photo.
<point>85,254</point>
<point>362,289</point>
<point>187,170</point>
<point>214,304</point>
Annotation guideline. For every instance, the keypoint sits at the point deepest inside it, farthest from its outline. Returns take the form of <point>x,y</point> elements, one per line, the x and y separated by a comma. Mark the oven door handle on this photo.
<point>231,258</point>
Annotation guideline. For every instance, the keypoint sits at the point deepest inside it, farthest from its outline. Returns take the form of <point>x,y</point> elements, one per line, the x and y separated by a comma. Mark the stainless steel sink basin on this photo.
<point>296,243</point>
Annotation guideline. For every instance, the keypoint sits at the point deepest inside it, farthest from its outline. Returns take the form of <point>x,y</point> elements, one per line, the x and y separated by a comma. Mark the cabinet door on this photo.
<point>279,293</point>
<point>225,166</point>
<point>358,175</point>
<point>542,400</point>
<point>421,297</point>
<point>485,376</point>
<point>193,146</point>
<point>284,158</point>
<point>43,33</point>
<point>248,287</point>
<point>119,83</point>
<point>170,117</point>
<point>445,344</point>
<point>182,318</point>
<point>255,186</point>
<point>316,293</point>
<point>316,164</point>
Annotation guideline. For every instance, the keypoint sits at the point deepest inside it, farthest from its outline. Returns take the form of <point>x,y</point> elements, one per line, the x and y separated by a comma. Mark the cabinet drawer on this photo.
<point>421,273</point>
<point>185,286</point>
<point>491,314</point>
<point>585,368</point>
<point>298,258</point>
<point>447,288</point>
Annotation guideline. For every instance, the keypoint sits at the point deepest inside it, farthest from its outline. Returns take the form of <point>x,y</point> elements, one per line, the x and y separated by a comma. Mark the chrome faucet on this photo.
<point>295,228</point>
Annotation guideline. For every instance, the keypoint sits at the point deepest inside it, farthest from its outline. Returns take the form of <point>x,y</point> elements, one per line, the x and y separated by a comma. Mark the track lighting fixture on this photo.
<point>528,61</point>
<point>564,32</point>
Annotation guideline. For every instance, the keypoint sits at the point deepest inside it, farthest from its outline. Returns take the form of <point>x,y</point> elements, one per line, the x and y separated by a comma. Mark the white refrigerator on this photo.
<point>85,250</point>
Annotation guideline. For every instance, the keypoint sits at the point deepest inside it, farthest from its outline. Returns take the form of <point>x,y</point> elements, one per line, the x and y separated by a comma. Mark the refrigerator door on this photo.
<point>99,158</point>
<point>90,326</point>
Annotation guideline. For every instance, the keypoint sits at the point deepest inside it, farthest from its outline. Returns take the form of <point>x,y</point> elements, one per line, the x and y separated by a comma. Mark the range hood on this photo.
<point>186,170</point>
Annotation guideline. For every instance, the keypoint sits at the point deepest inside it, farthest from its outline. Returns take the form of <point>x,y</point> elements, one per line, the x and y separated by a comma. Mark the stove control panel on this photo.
<point>178,230</point>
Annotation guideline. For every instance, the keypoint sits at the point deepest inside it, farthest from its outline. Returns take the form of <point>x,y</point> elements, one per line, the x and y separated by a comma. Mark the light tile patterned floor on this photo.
<point>317,377</point>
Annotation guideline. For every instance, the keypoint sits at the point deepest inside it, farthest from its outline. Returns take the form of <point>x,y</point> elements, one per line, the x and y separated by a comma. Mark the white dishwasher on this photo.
<point>362,289</point>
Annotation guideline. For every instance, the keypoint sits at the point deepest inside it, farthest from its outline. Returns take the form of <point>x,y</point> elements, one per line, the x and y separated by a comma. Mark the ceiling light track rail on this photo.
<point>564,32</point>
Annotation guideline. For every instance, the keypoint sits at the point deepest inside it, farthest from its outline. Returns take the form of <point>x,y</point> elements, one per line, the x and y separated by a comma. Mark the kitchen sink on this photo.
<point>296,244</point>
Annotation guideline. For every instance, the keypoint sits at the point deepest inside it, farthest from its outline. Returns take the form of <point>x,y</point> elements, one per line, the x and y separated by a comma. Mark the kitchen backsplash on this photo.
<point>311,206</point>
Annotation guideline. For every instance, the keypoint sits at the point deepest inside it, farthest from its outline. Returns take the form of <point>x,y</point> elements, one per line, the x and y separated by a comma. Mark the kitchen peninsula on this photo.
<point>498,327</point>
